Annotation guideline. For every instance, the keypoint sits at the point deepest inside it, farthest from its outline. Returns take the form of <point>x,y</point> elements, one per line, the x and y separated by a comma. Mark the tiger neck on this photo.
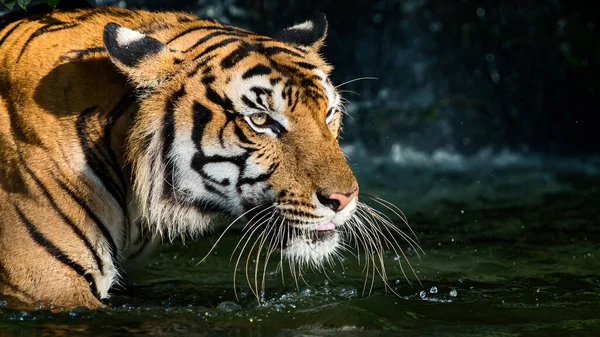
<point>102,131</point>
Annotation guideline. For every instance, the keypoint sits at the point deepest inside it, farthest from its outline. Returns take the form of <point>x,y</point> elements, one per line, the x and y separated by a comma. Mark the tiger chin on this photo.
<point>122,127</point>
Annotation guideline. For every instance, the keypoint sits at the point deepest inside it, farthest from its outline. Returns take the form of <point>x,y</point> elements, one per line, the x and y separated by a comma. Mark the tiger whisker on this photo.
<point>349,91</point>
<point>378,231</point>
<point>255,292</point>
<point>356,79</point>
<point>385,220</point>
<point>387,223</point>
<point>251,224</point>
<point>269,226</point>
<point>253,228</point>
<point>374,213</point>
<point>394,209</point>
<point>271,249</point>
<point>225,230</point>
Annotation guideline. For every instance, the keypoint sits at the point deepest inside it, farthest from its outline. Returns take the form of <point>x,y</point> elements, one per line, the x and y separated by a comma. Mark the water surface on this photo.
<point>510,251</point>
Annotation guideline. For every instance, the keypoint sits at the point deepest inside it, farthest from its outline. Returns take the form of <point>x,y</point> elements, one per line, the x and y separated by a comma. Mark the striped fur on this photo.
<point>119,127</point>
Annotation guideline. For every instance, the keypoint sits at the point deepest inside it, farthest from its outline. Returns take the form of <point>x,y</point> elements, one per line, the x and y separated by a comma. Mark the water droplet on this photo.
<point>537,290</point>
<point>228,306</point>
<point>480,12</point>
<point>422,294</point>
<point>453,293</point>
<point>495,76</point>
<point>435,26</point>
<point>462,211</point>
<point>433,290</point>
<point>590,26</point>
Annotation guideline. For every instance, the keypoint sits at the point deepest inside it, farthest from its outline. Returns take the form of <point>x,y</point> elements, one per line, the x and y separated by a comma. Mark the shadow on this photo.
<point>70,88</point>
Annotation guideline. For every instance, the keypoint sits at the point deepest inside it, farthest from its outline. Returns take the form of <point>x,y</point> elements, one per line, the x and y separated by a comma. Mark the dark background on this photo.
<point>459,75</point>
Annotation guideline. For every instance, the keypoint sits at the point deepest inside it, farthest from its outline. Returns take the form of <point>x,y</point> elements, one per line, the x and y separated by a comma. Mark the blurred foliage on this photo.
<point>10,4</point>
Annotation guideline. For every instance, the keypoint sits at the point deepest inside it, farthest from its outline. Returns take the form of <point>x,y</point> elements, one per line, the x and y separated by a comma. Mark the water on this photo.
<point>511,250</point>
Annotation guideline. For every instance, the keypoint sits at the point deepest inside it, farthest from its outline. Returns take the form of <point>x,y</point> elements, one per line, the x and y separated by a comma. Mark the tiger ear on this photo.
<point>145,60</point>
<point>310,33</point>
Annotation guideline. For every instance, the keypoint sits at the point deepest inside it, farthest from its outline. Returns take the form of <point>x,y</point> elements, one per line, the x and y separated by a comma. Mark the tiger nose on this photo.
<point>337,201</point>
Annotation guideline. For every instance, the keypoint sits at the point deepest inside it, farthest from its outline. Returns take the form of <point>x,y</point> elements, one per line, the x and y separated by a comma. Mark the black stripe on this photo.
<point>215,46</point>
<point>296,100</point>
<point>219,28</point>
<point>199,66</point>
<point>96,163</point>
<point>202,116</point>
<point>208,206</point>
<point>117,112</point>
<point>168,138</point>
<point>261,91</point>
<point>257,70</point>
<point>209,36</point>
<point>153,27</point>
<point>49,28</point>
<point>274,81</point>
<point>257,179</point>
<point>10,32</point>
<point>209,183</point>
<point>305,65</point>
<point>209,79</point>
<point>249,102</point>
<point>184,19</point>
<point>103,228</point>
<point>54,251</point>
<point>77,54</point>
<point>237,55</point>
<point>224,102</point>
<point>270,51</point>
<point>66,219</point>
<point>288,94</point>
<point>241,136</point>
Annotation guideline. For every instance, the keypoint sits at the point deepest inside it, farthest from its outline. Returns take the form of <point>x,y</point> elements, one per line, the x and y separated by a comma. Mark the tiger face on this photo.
<point>249,127</point>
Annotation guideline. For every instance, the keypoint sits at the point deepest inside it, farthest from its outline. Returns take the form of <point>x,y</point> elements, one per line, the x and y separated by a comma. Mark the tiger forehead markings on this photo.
<point>121,127</point>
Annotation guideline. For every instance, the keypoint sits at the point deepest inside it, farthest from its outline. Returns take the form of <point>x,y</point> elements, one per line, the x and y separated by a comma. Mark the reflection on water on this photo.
<point>510,251</point>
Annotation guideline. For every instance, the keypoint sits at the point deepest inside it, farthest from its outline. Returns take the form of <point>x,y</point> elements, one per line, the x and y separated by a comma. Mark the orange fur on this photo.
<point>80,140</point>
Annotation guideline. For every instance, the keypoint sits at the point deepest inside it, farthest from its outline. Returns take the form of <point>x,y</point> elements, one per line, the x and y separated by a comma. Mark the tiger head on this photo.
<point>237,123</point>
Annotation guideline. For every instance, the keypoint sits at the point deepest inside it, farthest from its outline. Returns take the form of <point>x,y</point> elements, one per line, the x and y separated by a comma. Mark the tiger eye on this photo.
<point>259,118</point>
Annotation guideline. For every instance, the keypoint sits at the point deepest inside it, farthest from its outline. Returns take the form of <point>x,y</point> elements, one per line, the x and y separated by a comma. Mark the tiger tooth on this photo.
<point>326,226</point>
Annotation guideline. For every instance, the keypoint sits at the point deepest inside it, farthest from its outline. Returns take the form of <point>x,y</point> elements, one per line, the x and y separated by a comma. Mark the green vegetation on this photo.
<point>24,3</point>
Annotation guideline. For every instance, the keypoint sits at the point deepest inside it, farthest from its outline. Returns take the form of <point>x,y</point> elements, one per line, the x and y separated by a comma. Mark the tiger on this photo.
<point>120,127</point>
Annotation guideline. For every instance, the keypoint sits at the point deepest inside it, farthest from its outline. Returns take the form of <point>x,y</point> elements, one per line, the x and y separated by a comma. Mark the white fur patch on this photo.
<point>239,87</point>
<point>127,36</point>
<point>306,253</point>
<point>307,25</point>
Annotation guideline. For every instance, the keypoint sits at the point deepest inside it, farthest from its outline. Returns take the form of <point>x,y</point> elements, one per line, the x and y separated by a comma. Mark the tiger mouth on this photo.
<point>285,231</point>
<point>309,236</point>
